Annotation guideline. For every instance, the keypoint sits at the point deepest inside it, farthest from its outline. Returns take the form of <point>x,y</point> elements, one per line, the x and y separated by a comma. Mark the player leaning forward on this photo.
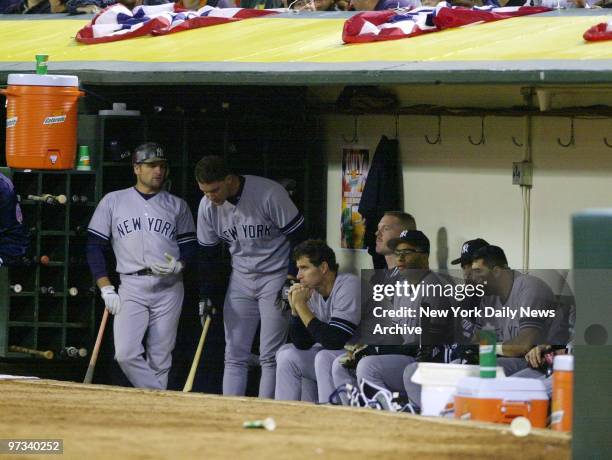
<point>152,234</point>
<point>257,219</point>
<point>325,309</point>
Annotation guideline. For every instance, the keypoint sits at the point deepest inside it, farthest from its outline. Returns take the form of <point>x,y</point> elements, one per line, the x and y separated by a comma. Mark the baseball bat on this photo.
<point>196,360</point>
<point>49,199</point>
<point>94,354</point>
<point>45,354</point>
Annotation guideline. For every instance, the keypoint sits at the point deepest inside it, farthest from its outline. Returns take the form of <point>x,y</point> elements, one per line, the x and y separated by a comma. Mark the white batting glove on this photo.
<point>111,299</point>
<point>172,267</point>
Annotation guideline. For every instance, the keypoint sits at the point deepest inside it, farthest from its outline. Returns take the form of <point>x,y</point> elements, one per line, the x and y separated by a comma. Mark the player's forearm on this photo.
<point>96,247</point>
<point>520,345</point>
<point>295,237</point>
<point>328,335</point>
<point>208,267</point>
<point>303,312</point>
<point>299,335</point>
<point>188,249</point>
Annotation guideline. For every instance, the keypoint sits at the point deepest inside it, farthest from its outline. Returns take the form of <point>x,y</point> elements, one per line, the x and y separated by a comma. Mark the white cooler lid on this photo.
<point>32,79</point>
<point>506,388</point>
<point>447,374</point>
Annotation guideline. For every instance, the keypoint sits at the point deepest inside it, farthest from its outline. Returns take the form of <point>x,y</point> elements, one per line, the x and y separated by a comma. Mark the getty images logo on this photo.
<point>55,119</point>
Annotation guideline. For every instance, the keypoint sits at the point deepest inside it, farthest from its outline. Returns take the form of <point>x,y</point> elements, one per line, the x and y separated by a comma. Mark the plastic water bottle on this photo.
<point>487,356</point>
<point>41,64</point>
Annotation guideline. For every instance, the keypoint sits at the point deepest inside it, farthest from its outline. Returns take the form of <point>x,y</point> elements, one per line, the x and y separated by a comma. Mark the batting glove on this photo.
<point>205,308</point>
<point>111,299</point>
<point>282,298</point>
<point>172,267</point>
<point>352,358</point>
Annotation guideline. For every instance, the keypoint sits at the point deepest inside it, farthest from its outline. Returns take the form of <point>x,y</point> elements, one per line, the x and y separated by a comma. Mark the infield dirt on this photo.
<point>102,422</point>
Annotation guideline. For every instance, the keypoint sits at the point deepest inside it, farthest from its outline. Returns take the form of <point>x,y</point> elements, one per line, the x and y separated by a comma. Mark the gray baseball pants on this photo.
<point>251,298</point>
<point>305,375</point>
<point>151,305</point>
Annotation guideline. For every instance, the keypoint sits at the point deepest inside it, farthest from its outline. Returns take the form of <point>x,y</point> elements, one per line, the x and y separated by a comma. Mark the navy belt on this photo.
<point>143,272</point>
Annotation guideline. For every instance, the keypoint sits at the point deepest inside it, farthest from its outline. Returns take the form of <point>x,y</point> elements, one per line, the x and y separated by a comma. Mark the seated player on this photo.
<point>325,311</point>
<point>385,368</point>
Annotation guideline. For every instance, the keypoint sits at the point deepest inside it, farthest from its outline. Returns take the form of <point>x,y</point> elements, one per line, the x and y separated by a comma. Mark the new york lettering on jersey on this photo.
<point>141,230</point>
<point>247,231</point>
<point>151,224</point>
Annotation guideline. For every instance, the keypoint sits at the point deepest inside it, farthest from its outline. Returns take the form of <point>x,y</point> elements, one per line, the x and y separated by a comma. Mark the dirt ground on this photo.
<point>101,422</point>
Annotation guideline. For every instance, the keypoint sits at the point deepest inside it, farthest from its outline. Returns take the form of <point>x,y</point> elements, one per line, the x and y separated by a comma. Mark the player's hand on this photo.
<point>206,308</point>
<point>535,356</point>
<point>171,267</point>
<point>298,293</point>
<point>111,299</point>
<point>353,357</point>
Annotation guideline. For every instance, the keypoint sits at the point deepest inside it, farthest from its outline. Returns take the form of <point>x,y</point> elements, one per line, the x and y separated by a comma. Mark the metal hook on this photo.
<point>482,136</point>
<point>438,139</point>
<point>572,138</point>
<point>605,139</point>
<point>517,143</point>
<point>355,139</point>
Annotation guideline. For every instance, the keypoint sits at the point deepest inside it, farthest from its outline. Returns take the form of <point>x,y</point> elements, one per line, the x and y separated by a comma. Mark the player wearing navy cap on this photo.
<point>152,234</point>
<point>256,218</point>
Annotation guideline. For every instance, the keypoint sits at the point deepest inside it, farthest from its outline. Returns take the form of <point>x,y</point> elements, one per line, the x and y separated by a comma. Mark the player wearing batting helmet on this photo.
<point>152,234</point>
<point>256,218</point>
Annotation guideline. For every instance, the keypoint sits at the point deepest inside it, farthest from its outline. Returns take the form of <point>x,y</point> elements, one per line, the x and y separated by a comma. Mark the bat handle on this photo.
<point>196,360</point>
<point>94,354</point>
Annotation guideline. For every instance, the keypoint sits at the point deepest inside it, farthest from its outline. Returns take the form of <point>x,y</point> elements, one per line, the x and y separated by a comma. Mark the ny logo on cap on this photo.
<point>464,248</point>
<point>404,234</point>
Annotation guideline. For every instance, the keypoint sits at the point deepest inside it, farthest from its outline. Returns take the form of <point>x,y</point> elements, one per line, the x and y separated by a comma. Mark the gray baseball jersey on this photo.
<point>343,302</point>
<point>527,291</point>
<point>255,228</point>
<point>140,230</point>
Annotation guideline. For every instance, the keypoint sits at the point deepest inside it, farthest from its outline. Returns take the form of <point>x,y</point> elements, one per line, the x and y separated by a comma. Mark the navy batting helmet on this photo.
<point>149,152</point>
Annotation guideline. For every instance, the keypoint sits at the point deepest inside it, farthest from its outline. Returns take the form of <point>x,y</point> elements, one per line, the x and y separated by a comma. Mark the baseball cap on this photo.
<point>494,256</point>
<point>414,237</point>
<point>468,249</point>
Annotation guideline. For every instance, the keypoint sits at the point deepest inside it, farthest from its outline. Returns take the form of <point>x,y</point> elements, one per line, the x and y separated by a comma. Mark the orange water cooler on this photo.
<point>41,121</point>
<point>502,400</point>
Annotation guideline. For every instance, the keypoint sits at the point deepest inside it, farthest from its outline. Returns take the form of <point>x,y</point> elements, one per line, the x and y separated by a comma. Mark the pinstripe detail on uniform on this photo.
<point>293,225</point>
<point>98,234</point>
<point>343,325</point>
<point>210,245</point>
<point>186,238</point>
